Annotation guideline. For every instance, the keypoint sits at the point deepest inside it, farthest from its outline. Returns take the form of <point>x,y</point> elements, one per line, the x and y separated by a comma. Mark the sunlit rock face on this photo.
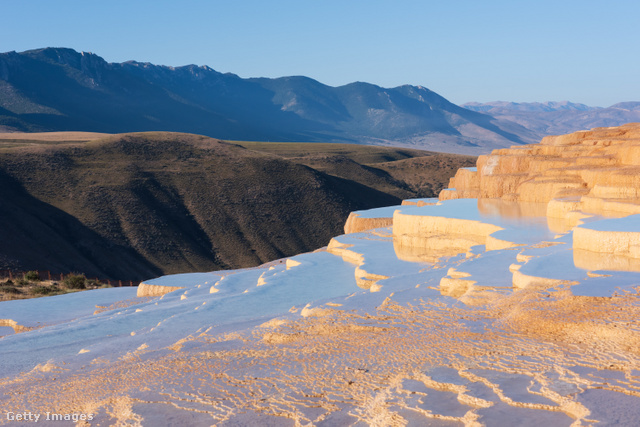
<point>357,222</point>
<point>585,173</point>
<point>511,301</point>
<point>598,169</point>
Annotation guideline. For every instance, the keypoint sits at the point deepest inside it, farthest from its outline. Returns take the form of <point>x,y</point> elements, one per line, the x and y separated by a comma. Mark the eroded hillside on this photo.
<point>133,206</point>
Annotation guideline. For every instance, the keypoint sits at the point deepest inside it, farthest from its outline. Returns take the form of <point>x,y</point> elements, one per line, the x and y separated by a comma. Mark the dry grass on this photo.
<point>26,289</point>
<point>12,140</point>
<point>52,136</point>
<point>357,152</point>
<point>404,173</point>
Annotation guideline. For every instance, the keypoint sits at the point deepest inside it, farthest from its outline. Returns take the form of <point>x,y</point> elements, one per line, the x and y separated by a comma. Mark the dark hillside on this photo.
<point>134,206</point>
<point>176,202</point>
<point>404,173</point>
<point>36,234</point>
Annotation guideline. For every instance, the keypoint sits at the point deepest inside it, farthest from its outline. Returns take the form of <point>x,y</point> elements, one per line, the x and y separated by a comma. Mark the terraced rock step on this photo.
<point>600,169</point>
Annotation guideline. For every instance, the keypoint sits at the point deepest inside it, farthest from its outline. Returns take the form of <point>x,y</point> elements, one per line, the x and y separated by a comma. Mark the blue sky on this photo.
<point>466,50</point>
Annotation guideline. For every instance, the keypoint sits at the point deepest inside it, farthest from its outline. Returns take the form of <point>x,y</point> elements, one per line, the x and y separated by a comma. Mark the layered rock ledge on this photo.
<point>578,175</point>
<point>593,171</point>
<point>580,191</point>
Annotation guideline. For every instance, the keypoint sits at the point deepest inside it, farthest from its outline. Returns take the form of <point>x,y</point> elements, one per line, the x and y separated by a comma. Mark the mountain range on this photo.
<point>558,118</point>
<point>59,89</point>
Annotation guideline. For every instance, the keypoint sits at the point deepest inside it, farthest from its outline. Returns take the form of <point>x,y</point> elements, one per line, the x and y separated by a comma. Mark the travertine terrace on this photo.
<point>512,301</point>
<point>590,171</point>
<point>575,175</point>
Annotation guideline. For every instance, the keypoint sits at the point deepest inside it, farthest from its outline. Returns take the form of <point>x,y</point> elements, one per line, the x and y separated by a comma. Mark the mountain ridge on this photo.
<point>528,106</point>
<point>558,118</point>
<point>59,89</point>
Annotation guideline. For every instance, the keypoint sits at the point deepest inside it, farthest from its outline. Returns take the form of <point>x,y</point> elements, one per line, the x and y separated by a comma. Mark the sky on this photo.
<point>465,50</point>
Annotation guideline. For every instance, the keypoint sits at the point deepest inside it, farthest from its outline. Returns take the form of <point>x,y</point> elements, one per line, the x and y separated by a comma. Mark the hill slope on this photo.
<point>134,206</point>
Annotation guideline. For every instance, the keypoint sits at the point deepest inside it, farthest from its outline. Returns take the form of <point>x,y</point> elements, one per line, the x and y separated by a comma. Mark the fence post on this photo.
<point>49,274</point>
<point>119,283</point>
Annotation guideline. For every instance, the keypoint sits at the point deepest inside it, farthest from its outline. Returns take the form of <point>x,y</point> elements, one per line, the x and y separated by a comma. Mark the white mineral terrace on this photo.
<point>465,312</point>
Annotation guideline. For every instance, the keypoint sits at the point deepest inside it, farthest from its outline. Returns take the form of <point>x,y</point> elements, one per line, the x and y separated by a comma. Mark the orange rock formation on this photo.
<point>355,223</point>
<point>146,290</point>
<point>590,171</point>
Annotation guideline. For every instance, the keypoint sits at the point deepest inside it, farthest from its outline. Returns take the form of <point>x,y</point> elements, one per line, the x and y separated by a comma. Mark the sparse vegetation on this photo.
<point>24,288</point>
<point>94,283</point>
<point>9,289</point>
<point>32,276</point>
<point>45,290</point>
<point>75,281</point>
<point>23,282</point>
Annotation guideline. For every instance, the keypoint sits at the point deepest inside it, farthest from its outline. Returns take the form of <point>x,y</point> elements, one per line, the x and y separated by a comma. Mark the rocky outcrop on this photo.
<point>615,237</point>
<point>13,324</point>
<point>355,223</point>
<point>464,185</point>
<point>560,184</point>
<point>146,290</point>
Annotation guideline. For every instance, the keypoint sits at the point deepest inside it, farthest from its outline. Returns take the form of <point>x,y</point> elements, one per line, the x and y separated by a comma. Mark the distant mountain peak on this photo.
<point>527,106</point>
<point>557,118</point>
<point>64,56</point>
<point>627,106</point>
